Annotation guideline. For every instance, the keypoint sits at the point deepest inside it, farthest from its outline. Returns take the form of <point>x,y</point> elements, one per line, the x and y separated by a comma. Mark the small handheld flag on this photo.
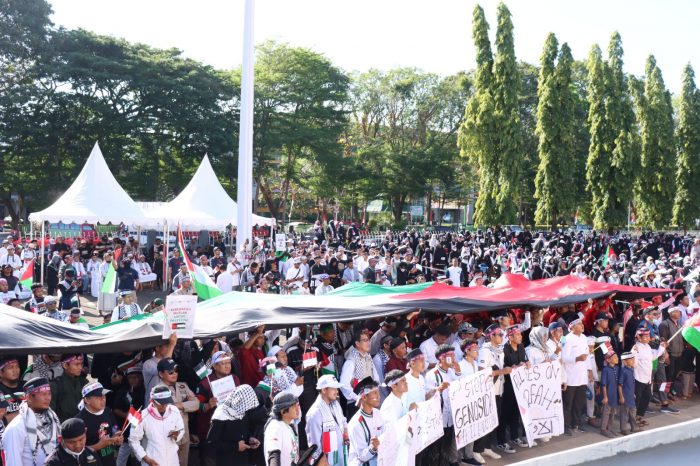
<point>202,371</point>
<point>134,417</point>
<point>310,359</point>
<point>27,278</point>
<point>270,369</point>
<point>665,387</point>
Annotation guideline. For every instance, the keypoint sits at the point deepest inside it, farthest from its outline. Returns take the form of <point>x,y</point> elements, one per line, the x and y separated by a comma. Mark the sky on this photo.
<point>432,35</point>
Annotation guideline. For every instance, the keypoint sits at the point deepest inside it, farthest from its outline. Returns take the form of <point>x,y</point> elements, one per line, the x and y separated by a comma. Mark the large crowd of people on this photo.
<point>156,406</point>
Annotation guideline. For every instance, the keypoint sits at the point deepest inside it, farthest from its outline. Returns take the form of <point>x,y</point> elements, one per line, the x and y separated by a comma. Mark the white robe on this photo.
<point>153,432</point>
<point>94,270</point>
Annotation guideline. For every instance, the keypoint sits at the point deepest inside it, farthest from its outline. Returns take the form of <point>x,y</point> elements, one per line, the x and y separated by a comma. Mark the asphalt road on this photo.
<point>681,453</point>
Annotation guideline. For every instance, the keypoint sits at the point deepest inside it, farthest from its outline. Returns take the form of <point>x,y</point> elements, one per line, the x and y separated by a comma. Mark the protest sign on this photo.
<point>280,242</point>
<point>395,446</point>
<point>427,424</point>
<point>473,404</point>
<point>538,392</point>
<point>221,388</point>
<point>179,316</point>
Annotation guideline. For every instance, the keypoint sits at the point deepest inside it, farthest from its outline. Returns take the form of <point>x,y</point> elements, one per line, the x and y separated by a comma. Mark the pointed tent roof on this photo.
<point>203,204</point>
<point>94,197</point>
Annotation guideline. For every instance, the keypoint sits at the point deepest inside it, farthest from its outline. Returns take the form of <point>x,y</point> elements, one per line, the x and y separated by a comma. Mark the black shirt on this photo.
<point>127,278</point>
<point>99,426</point>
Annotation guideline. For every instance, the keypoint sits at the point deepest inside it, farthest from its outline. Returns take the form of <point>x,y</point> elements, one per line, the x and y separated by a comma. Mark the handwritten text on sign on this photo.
<point>473,402</point>
<point>427,424</point>
<point>538,391</point>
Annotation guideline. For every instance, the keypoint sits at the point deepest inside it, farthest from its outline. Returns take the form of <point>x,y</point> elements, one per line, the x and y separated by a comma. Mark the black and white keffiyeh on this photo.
<point>239,401</point>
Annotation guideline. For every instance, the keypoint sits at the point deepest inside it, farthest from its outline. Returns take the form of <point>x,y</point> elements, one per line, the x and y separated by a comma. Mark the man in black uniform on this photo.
<point>71,451</point>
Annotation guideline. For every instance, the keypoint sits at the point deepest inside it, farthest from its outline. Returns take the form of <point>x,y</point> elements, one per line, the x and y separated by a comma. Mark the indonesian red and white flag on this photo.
<point>134,417</point>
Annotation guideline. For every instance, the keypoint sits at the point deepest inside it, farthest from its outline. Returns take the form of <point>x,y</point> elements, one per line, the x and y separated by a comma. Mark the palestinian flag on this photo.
<point>327,366</point>
<point>130,363</point>
<point>134,417</point>
<point>329,442</point>
<point>27,278</point>
<point>609,254</point>
<point>201,371</point>
<point>691,331</point>
<point>110,283</point>
<point>204,286</point>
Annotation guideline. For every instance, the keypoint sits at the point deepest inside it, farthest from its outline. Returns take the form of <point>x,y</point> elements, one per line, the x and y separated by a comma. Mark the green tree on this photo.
<point>555,112</point>
<point>613,138</point>
<point>654,191</point>
<point>300,114</point>
<point>477,132</point>
<point>686,209</point>
<point>405,131</point>
<point>506,84</point>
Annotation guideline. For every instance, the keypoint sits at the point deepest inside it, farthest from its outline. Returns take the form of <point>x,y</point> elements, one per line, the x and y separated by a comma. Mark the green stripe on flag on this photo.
<point>691,333</point>
<point>357,289</point>
<point>204,286</point>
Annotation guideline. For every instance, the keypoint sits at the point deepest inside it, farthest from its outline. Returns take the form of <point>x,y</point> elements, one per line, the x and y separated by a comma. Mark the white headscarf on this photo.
<point>238,402</point>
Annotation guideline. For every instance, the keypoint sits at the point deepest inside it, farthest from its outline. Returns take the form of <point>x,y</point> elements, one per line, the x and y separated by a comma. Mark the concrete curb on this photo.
<point>609,448</point>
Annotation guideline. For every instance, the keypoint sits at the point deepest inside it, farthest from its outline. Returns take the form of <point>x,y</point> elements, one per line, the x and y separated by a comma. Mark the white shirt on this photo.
<point>358,426</point>
<point>13,260</point>
<point>468,369</point>
<point>234,269</point>
<point>334,421</point>
<point>455,274</point>
<point>644,359</point>
<point>295,272</point>
<point>416,389</point>
<point>154,430</point>
<point>487,359</point>
<point>6,296</point>
<point>576,371</point>
<point>428,347</point>
<point>280,436</point>
<point>433,379</point>
<point>393,408</point>
<point>323,289</point>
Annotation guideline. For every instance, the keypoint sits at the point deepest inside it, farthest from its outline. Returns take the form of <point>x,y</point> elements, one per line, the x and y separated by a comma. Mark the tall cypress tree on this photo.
<point>654,188</point>
<point>614,141</point>
<point>686,208</point>
<point>477,131</point>
<point>555,113</point>
<point>508,144</point>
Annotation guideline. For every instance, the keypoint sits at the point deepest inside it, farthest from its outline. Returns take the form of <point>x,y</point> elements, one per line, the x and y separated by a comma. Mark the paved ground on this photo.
<point>688,410</point>
<point>682,453</point>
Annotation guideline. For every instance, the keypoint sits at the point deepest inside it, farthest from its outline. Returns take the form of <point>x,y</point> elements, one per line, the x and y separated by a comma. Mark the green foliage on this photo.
<point>686,209</point>
<point>300,100</point>
<point>491,134</point>
<point>404,132</point>
<point>555,129</point>
<point>654,188</point>
<point>614,141</point>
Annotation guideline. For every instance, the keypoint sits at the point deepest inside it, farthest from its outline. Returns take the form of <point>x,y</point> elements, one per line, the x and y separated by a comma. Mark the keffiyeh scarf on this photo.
<point>363,364</point>
<point>42,429</point>
<point>239,401</point>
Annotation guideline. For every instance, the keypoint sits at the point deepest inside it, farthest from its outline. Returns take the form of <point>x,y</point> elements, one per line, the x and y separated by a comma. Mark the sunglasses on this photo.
<point>174,371</point>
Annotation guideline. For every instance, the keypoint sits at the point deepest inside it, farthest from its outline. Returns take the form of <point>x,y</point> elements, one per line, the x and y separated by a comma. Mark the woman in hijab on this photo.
<point>538,351</point>
<point>52,273</point>
<point>230,438</point>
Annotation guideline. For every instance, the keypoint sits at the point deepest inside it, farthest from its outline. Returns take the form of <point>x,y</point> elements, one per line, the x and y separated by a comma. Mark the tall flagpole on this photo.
<point>245,142</point>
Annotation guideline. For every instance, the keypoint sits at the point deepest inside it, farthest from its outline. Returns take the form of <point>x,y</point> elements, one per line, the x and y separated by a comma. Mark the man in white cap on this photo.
<point>295,275</point>
<point>160,429</point>
<point>12,259</point>
<point>326,425</point>
<point>52,311</point>
<point>574,357</point>
<point>325,286</point>
<point>128,308</point>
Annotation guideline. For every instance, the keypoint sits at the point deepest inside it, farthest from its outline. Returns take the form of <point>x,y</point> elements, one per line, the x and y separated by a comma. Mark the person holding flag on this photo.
<point>160,429</point>
<point>325,423</point>
<point>183,399</point>
<point>204,286</point>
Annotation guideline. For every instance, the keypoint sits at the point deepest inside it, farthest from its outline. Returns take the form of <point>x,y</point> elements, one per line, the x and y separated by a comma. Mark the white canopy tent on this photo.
<point>202,205</point>
<point>94,197</point>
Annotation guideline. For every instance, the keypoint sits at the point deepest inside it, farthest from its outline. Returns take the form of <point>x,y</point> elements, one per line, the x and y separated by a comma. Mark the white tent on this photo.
<point>94,197</point>
<point>202,205</point>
